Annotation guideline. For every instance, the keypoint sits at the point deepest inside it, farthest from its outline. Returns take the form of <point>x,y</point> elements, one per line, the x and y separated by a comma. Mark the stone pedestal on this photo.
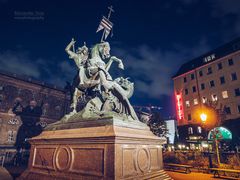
<point>106,149</point>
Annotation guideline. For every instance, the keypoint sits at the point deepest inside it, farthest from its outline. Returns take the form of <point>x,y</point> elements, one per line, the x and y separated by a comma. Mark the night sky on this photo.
<point>153,37</point>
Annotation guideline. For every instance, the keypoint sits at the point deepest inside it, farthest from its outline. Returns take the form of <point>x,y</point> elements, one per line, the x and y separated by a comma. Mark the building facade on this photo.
<point>214,76</point>
<point>54,103</point>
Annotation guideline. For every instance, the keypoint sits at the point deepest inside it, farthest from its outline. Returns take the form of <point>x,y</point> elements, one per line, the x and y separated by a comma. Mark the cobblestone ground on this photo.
<point>194,176</point>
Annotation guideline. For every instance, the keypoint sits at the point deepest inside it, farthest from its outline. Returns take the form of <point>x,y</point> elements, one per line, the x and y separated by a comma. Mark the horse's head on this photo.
<point>104,50</point>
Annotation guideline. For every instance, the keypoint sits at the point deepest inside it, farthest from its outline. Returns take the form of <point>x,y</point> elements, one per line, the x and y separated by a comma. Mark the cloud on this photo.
<point>18,62</point>
<point>227,11</point>
<point>152,69</point>
<point>48,70</point>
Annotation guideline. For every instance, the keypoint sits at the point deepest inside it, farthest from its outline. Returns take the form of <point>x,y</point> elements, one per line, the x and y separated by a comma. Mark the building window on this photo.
<point>43,124</point>
<point>214,97</point>
<point>200,73</point>
<point>219,66</point>
<point>234,76</point>
<point>222,80</point>
<point>202,86</point>
<point>227,110</point>
<point>209,71</point>
<point>45,109</point>
<point>187,104</point>
<point>192,76</point>
<point>224,94</point>
<point>190,130</point>
<point>199,129</point>
<point>194,89</point>
<point>230,62</point>
<point>13,121</point>
<point>1,98</point>
<point>184,79</point>
<point>204,100</point>
<point>212,84</point>
<point>195,101</point>
<point>238,108</point>
<point>237,92</point>
<point>10,136</point>
<point>186,91</point>
<point>189,117</point>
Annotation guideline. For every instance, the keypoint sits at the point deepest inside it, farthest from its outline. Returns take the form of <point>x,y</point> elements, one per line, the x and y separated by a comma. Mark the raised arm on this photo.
<point>71,54</point>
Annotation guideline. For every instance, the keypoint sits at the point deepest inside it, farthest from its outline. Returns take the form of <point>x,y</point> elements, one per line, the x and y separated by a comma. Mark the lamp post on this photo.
<point>203,118</point>
<point>215,135</point>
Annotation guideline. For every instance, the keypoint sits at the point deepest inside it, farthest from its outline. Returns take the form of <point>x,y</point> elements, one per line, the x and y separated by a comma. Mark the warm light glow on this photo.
<point>203,117</point>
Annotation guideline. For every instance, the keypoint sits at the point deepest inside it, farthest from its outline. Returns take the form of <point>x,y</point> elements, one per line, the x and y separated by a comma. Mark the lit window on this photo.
<point>214,97</point>
<point>190,130</point>
<point>13,121</point>
<point>195,101</point>
<point>204,99</point>
<point>199,130</point>
<point>187,103</point>
<point>224,94</point>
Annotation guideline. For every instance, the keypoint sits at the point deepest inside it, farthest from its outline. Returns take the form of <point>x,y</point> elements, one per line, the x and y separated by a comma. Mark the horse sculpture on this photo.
<point>93,76</point>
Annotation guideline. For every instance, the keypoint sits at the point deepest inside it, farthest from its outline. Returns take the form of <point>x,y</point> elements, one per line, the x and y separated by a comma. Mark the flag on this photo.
<point>106,25</point>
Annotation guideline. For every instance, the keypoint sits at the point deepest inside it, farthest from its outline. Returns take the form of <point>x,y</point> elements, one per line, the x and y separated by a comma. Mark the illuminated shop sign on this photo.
<point>209,58</point>
<point>179,106</point>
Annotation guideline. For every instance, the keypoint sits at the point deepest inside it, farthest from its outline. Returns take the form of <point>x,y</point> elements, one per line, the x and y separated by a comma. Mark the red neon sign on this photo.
<point>179,106</point>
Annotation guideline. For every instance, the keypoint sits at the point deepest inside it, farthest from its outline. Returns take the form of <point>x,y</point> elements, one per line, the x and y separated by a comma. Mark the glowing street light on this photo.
<point>203,117</point>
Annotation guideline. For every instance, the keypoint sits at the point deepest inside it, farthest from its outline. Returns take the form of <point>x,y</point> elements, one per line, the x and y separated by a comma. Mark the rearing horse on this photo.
<point>95,72</point>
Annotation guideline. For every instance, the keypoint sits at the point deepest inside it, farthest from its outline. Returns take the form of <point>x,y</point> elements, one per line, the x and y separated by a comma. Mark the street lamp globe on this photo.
<point>203,117</point>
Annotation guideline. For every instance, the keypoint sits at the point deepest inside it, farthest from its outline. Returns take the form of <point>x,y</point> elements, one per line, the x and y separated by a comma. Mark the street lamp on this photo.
<point>203,117</point>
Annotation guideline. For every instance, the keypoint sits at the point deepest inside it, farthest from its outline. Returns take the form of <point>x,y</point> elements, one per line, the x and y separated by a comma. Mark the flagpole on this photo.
<point>106,33</point>
<point>103,35</point>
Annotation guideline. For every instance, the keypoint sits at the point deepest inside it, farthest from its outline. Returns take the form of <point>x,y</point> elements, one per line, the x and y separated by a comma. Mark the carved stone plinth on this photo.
<point>109,149</point>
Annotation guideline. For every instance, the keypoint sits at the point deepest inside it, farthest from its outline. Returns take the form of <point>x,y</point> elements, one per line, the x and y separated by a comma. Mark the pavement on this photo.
<point>4,174</point>
<point>194,176</point>
<point>16,171</point>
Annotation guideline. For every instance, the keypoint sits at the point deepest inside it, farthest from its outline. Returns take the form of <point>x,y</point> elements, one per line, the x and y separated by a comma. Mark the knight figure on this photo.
<point>106,97</point>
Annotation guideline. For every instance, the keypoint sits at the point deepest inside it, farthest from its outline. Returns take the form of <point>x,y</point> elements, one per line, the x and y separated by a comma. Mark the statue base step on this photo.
<point>106,152</point>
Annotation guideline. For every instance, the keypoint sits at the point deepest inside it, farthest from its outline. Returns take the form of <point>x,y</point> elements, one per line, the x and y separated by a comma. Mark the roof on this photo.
<point>31,80</point>
<point>210,56</point>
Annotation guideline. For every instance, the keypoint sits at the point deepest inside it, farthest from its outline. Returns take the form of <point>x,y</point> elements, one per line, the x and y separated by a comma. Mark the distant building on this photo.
<point>14,88</point>
<point>214,76</point>
<point>172,130</point>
